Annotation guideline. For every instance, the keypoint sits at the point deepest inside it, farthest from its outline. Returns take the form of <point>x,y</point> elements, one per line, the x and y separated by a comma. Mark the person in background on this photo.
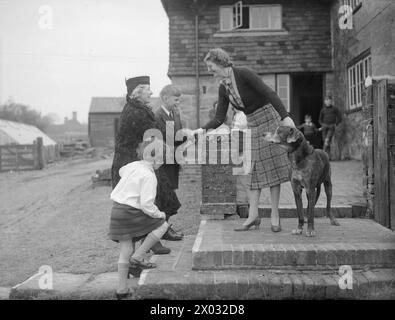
<point>329,118</point>
<point>170,96</point>
<point>309,129</point>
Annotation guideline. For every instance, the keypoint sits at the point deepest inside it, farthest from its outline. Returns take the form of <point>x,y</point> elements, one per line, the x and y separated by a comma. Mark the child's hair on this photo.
<point>328,97</point>
<point>169,91</point>
<point>307,116</point>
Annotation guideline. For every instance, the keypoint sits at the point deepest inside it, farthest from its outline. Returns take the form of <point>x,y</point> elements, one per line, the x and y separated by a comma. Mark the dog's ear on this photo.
<point>292,136</point>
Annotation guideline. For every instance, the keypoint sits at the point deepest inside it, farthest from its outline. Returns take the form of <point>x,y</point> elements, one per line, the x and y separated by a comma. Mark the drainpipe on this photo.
<point>195,6</point>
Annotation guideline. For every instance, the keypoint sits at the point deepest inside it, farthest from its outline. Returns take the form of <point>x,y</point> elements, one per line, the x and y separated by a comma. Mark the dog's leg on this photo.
<point>310,212</point>
<point>297,190</point>
<point>328,191</point>
<point>317,195</point>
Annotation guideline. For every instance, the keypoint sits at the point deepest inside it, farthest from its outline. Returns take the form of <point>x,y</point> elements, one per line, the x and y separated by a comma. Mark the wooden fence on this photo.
<point>22,157</point>
<point>384,152</point>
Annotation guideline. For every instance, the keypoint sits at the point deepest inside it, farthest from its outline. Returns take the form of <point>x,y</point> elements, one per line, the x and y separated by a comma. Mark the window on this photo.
<point>280,84</point>
<point>250,17</point>
<point>283,89</point>
<point>357,74</point>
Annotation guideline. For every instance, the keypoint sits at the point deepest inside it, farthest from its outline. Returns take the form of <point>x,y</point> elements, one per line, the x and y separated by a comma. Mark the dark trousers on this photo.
<point>327,135</point>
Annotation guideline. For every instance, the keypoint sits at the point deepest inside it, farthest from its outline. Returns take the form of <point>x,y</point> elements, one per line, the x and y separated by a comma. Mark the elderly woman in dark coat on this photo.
<point>136,118</point>
<point>245,91</point>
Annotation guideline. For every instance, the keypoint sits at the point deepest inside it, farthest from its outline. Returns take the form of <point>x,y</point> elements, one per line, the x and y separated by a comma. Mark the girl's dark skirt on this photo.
<point>270,165</point>
<point>128,223</point>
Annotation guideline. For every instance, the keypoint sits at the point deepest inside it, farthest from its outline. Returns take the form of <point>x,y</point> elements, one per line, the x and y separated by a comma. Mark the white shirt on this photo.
<point>137,188</point>
<point>167,111</point>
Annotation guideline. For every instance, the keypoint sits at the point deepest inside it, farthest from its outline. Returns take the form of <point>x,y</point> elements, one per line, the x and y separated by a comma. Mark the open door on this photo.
<point>307,98</point>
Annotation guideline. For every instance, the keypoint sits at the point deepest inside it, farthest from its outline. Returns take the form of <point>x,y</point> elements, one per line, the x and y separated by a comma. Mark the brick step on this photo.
<point>174,279</point>
<point>268,284</point>
<point>356,242</point>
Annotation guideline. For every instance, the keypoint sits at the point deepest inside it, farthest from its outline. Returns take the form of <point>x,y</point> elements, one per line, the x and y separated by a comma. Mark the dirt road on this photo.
<point>54,217</point>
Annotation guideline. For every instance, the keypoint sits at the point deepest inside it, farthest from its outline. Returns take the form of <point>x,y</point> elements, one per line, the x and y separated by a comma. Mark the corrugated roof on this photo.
<point>113,104</point>
<point>21,133</point>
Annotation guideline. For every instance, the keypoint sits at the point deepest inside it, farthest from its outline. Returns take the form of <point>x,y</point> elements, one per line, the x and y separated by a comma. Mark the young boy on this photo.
<point>329,118</point>
<point>309,129</point>
<point>134,214</point>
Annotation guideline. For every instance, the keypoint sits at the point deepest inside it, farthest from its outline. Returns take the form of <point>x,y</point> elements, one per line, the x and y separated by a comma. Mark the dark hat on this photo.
<point>132,83</point>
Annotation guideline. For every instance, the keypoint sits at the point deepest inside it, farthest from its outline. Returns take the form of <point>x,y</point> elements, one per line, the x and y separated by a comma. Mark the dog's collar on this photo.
<point>296,144</point>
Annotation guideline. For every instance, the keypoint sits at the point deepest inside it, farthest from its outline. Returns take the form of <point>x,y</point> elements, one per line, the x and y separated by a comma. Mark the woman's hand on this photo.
<point>287,121</point>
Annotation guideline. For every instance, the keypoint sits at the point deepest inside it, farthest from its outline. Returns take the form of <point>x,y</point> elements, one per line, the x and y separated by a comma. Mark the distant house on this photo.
<point>103,120</point>
<point>69,131</point>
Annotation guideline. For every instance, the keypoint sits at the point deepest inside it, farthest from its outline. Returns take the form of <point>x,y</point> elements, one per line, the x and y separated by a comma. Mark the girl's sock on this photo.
<point>123,270</point>
<point>152,238</point>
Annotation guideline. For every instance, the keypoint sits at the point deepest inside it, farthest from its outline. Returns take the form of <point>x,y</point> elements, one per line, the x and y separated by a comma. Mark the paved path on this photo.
<point>347,188</point>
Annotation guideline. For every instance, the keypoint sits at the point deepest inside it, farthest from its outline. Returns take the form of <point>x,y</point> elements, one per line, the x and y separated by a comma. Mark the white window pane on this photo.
<point>226,18</point>
<point>270,80</point>
<point>259,17</point>
<point>238,14</point>
<point>275,18</point>
<point>283,89</point>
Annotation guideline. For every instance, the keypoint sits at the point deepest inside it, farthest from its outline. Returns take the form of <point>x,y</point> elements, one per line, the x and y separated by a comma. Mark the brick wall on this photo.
<point>372,26</point>
<point>306,46</point>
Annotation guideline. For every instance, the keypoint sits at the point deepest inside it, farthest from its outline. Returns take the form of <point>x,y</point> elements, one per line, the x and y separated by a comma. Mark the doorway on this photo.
<point>307,98</point>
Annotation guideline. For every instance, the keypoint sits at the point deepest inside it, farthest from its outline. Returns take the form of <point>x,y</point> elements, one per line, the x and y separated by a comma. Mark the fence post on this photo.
<point>39,153</point>
<point>0,158</point>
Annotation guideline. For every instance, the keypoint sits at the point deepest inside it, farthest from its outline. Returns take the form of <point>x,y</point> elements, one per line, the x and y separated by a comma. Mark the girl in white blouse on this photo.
<point>134,216</point>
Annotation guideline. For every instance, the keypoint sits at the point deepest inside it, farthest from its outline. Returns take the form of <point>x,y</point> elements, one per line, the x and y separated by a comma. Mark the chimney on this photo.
<point>74,115</point>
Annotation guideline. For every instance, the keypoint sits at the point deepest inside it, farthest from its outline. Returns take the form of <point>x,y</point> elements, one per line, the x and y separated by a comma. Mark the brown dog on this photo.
<point>309,169</point>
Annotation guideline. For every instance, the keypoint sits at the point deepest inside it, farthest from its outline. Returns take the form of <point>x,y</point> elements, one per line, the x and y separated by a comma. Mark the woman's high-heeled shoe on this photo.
<point>256,223</point>
<point>277,228</point>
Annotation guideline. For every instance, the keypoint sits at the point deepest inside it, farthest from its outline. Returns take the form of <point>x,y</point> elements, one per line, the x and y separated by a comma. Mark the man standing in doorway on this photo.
<point>329,118</point>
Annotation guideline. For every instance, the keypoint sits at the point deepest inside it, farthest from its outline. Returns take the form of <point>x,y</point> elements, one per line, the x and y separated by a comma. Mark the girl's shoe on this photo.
<point>256,223</point>
<point>121,296</point>
<point>277,228</point>
<point>137,266</point>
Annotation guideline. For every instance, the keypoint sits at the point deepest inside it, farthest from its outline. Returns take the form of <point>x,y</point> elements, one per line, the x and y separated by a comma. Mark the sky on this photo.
<point>55,54</point>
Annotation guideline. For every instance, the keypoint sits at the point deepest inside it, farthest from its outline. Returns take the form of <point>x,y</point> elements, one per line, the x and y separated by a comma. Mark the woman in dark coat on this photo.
<point>246,91</point>
<point>136,118</point>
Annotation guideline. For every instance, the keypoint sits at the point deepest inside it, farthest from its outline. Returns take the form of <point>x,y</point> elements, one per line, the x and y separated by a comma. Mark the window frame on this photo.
<point>357,72</point>
<point>249,6</point>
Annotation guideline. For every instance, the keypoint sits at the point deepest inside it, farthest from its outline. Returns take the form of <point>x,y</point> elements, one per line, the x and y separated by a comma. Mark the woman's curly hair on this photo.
<point>219,56</point>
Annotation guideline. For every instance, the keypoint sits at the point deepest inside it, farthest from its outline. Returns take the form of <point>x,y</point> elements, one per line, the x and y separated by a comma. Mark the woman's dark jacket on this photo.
<point>135,119</point>
<point>253,92</point>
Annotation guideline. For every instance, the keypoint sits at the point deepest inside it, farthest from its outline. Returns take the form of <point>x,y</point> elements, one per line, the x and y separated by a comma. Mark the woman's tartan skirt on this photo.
<point>270,165</point>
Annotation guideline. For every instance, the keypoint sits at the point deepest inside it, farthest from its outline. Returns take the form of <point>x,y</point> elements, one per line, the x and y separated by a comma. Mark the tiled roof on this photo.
<point>21,133</point>
<point>113,104</point>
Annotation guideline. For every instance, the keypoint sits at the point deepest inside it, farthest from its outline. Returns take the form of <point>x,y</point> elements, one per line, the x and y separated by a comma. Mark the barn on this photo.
<point>22,137</point>
<point>103,119</point>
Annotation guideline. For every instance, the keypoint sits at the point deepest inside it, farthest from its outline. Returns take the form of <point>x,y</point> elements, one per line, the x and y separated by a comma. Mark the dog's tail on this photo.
<point>317,195</point>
